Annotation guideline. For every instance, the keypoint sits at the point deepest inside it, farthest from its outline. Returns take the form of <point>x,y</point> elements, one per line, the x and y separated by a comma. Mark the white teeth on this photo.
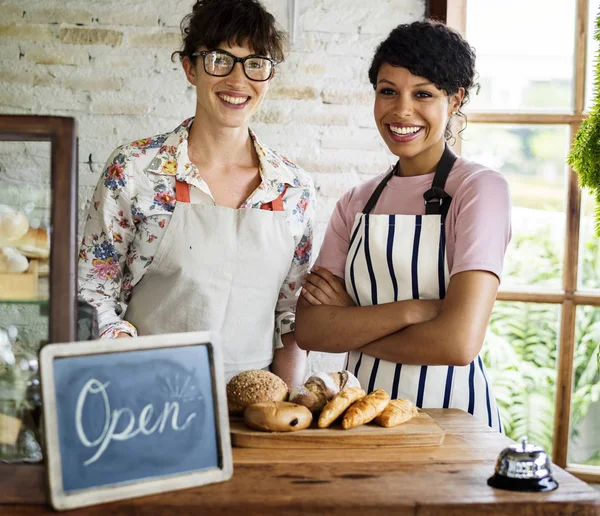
<point>404,130</point>
<point>233,100</point>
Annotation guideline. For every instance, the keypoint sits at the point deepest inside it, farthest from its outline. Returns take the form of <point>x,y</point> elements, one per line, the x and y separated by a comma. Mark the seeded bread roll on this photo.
<point>254,386</point>
<point>277,416</point>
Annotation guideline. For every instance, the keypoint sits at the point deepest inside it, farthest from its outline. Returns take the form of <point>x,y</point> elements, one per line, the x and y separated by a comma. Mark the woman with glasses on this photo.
<point>411,262</point>
<point>205,227</point>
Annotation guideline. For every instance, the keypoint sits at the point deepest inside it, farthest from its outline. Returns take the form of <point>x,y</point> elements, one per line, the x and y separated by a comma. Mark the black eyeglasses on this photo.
<point>219,63</point>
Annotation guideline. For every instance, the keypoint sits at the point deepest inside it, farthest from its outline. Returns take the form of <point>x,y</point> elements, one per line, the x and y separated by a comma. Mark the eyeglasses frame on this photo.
<point>242,60</point>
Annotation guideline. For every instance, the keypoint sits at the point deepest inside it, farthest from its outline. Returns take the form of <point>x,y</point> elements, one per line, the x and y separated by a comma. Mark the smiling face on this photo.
<point>228,101</point>
<point>412,113</point>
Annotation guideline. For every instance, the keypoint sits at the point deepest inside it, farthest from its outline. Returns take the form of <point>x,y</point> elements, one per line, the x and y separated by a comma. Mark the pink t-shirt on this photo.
<point>477,226</point>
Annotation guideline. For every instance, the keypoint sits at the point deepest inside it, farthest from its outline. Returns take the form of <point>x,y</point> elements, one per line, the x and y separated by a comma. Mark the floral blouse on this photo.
<point>132,206</point>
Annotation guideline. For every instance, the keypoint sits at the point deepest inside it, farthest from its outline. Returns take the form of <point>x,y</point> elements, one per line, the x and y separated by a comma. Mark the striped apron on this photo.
<point>398,257</point>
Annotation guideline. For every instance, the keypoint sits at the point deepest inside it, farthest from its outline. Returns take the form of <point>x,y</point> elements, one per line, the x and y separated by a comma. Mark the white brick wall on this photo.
<point>107,63</point>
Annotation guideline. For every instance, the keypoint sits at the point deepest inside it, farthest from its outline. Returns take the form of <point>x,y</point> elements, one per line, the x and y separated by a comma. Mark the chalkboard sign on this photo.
<point>130,417</point>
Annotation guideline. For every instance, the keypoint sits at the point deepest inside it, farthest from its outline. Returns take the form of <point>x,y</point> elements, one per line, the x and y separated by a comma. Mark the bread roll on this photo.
<point>254,386</point>
<point>338,404</point>
<point>12,261</point>
<point>34,244</point>
<point>277,416</point>
<point>397,412</point>
<point>13,225</point>
<point>322,387</point>
<point>365,409</point>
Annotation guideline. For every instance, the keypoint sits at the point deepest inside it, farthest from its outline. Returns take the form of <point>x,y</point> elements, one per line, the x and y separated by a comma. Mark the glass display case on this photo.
<point>38,258</point>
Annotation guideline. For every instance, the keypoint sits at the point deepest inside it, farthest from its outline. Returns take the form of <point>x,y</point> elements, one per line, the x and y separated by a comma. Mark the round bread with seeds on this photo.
<point>277,416</point>
<point>255,386</point>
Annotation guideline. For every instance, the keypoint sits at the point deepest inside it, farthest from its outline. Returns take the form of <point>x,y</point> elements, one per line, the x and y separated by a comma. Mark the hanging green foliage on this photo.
<point>585,154</point>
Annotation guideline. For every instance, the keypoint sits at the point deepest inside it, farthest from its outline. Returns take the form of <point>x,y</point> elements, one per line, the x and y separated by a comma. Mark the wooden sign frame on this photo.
<point>62,500</point>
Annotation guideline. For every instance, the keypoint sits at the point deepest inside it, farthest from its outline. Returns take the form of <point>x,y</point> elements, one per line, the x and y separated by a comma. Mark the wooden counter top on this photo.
<point>447,479</point>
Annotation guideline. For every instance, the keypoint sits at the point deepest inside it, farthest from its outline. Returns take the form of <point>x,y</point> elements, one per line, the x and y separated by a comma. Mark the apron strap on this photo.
<point>437,201</point>
<point>375,196</point>
<point>182,191</point>
<point>182,194</point>
<point>275,204</point>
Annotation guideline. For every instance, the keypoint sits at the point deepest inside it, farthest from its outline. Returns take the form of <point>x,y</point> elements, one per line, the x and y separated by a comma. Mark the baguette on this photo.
<point>338,404</point>
<point>366,409</point>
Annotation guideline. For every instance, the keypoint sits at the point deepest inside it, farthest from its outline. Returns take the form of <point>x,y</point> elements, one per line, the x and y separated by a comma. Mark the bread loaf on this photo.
<point>13,225</point>
<point>338,404</point>
<point>396,412</point>
<point>254,386</point>
<point>365,409</point>
<point>34,244</point>
<point>321,387</point>
<point>12,261</point>
<point>277,416</point>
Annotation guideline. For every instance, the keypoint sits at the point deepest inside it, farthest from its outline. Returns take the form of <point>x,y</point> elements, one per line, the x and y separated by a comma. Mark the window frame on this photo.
<point>454,13</point>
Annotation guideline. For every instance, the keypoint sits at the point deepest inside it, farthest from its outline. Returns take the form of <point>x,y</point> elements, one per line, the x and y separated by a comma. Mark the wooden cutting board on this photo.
<point>421,430</point>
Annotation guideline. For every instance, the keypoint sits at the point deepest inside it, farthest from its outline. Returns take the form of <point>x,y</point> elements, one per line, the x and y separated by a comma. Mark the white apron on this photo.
<point>398,257</point>
<point>218,269</point>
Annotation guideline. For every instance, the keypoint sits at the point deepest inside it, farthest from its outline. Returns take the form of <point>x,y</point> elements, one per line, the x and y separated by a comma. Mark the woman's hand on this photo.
<point>323,288</point>
<point>123,335</point>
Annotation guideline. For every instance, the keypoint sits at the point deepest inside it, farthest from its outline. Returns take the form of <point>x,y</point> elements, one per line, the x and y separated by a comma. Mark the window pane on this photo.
<point>520,354</point>
<point>592,52</point>
<point>584,441</point>
<point>523,66</point>
<point>532,157</point>
<point>588,277</point>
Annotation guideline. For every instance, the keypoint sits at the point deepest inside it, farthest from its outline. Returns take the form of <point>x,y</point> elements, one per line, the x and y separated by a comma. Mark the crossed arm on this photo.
<point>426,332</point>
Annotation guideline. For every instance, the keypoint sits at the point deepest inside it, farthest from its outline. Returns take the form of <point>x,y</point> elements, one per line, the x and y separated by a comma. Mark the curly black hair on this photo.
<point>432,50</point>
<point>236,22</point>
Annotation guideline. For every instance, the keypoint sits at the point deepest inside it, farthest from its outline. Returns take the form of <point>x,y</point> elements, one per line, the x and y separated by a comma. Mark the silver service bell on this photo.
<point>523,467</point>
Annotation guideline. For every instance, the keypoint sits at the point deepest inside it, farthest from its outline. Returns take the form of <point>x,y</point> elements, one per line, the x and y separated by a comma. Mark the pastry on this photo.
<point>321,387</point>
<point>12,260</point>
<point>34,244</point>
<point>255,386</point>
<point>13,225</point>
<point>338,404</point>
<point>277,416</point>
<point>366,409</point>
<point>397,412</point>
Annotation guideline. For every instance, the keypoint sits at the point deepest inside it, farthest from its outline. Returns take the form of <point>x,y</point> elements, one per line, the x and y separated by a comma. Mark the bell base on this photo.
<point>523,484</point>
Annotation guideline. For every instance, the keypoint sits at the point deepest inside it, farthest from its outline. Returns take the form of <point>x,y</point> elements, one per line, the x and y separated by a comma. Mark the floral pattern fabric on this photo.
<point>132,206</point>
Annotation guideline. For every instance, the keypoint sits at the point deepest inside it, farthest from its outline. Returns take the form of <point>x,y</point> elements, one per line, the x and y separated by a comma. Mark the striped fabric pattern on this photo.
<point>398,257</point>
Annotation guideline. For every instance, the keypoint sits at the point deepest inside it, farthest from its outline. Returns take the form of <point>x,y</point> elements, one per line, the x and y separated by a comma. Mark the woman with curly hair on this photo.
<point>411,262</point>
<point>205,227</point>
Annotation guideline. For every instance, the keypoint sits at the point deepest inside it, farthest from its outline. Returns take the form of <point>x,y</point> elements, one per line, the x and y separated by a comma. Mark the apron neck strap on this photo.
<point>437,201</point>
<point>375,196</point>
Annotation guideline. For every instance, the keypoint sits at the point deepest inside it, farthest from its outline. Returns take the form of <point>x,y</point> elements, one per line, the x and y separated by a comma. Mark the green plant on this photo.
<point>521,346</point>
<point>585,154</point>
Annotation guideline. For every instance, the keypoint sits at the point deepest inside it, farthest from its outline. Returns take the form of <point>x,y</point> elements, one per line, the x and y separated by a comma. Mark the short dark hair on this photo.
<point>236,22</point>
<point>432,50</point>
